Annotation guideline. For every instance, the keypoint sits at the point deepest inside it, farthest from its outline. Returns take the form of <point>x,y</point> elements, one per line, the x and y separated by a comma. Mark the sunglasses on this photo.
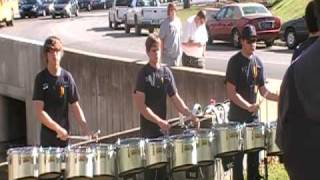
<point>250,41</point>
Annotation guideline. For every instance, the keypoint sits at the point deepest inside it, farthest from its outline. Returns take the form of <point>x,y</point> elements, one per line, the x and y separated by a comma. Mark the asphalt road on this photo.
<point>90,32</point>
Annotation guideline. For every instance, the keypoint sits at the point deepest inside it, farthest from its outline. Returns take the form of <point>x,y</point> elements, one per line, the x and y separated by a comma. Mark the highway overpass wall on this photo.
<point>105,84</point>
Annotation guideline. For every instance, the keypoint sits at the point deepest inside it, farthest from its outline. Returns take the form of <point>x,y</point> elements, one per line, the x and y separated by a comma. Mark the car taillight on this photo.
<point>277,22</point>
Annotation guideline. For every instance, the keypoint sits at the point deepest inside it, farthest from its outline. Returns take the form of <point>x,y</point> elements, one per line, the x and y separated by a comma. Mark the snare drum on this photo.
<point>272,148</point>
<point>104,160</point>
<point>50,160</point>
<point>79,162</point>
<point>156,153</point>
<point>205,147</point>
<point>130,156</point>
<point>23,163</point>
<point>184,151</point>
<point>227,138</point>
<point>253,135</point>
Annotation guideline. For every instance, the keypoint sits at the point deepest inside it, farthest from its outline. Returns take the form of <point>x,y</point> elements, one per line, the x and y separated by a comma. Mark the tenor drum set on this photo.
<point>190,149</point>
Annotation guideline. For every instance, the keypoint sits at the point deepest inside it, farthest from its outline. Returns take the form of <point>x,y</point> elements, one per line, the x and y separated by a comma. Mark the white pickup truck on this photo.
<point>144,14</point>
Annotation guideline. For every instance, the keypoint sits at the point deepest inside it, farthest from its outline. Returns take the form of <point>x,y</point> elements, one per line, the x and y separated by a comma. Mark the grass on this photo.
<point>289,9</point>
<point>285,9</point>
<point>277,172</point>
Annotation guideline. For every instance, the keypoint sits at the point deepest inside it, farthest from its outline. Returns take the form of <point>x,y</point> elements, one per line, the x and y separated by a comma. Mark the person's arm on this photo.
<point>237,99</point>
<point>46,120</point>
<point>80,118</point>
<point>270,95</point>
<point>139,101</point>
<point>183,109</point>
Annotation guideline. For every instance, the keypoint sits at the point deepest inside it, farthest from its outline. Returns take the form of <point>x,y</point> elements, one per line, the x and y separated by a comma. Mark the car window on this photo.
<point>250,10</point>
<point>141,3</point>
<point>230,13</point>
<point>62,1</point>
<point>221,13</point>
<point>122,3</point>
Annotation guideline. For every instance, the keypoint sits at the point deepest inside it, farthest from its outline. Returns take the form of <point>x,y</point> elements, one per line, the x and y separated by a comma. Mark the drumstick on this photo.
<point>105,137</point>
<point>261,100</point>
<point>3,164</point>
<point>79,137</point>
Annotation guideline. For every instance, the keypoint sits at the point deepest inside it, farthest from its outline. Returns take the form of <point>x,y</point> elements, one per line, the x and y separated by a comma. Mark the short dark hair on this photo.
<point>171,6</point>
<point>311,17</point>
<point>201,14</point>
<point>152,40</point>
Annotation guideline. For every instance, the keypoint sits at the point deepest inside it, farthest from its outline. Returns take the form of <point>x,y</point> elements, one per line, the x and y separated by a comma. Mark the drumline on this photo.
<point>180,152</point>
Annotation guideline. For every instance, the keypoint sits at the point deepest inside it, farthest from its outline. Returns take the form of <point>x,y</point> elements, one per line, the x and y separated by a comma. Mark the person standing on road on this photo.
<point>195,37</point>
<point>54,90</point>
<point>244,78</point>
<point>170,35</point>
<point>154,83</point>
<point>298,127</point>
<point>313,28</point>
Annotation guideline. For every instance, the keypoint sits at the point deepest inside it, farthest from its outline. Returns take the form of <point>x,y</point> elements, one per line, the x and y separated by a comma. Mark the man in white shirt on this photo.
<point>194,41</point>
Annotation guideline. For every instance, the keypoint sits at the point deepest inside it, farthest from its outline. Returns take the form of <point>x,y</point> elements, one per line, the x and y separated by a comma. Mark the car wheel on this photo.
<point>22,16</point>
<point>269,43</point>
<point>137,27</point>
<point>291,39</point>
<point>151,30</point>
<point>53,16</point>
<point>236,39</point>
<point>126,26</point>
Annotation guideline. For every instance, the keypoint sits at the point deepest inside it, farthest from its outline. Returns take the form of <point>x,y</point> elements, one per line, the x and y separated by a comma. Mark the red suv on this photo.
<point>229,21</point>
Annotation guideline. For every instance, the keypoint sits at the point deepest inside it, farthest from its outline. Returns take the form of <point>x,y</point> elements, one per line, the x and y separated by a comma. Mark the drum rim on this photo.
<point>24,150</point>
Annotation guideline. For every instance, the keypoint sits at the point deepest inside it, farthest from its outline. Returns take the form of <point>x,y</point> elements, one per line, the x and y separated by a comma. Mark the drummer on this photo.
<point>154,83</point>
<point>244,78</point>
<point>54,90</point>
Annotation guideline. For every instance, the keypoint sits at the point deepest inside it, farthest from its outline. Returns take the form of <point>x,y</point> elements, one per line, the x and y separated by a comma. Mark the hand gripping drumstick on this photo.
<point>261,100</point>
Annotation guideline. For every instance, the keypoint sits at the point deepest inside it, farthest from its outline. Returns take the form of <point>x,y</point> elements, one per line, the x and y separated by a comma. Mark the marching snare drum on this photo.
<point>22,163</point>
<point>205,147</point>
<point>79,162</point>
<point>130,156</point>
<point>253,136</point>
<point>227,138</point>
<point>184,151</point>
<point>104,160</point>
<point>272,148</point>
<point>50,160</point>
<point>156,153</point>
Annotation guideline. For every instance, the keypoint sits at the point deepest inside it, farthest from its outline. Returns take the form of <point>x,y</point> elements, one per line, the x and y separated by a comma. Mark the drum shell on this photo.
<point>205,148</point>
<point>23,163</point>
<point>227,139</point>
<point>79,162</point>
<point>50,160</point>
<point>130,157</point>
<point>253,135</point>
<point>156,153</point>
<point>272,147</point>
<point>104,160</point>
<point>184,152</point>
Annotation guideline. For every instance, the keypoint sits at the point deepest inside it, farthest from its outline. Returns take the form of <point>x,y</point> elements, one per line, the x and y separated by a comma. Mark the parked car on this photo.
<point>32,8</point>
<point>101,4</point>
<point>65,8</point>
<point>86,4</point>
<point>144,14</point>
<point>48,6</point>
<point>231,19</point>
<point>117,11</point>
<point>294,32</point>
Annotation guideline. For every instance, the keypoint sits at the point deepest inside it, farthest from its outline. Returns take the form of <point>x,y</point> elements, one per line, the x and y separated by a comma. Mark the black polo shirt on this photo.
<point>156,84</point>
<point>56,92</point>
<point>247,75</point>
<point>303,46</point>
